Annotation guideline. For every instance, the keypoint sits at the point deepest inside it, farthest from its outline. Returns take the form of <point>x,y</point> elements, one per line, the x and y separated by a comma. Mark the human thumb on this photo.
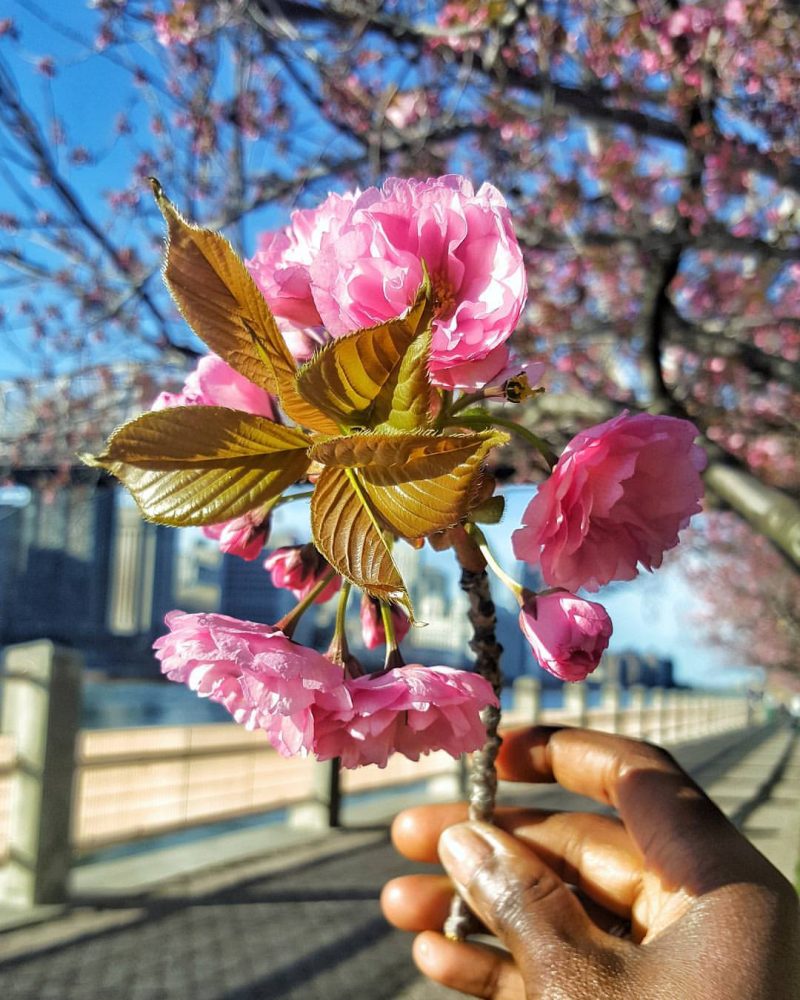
<point>522,901</point>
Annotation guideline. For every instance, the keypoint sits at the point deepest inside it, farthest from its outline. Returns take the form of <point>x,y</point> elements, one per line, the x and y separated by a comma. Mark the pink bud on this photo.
<point>567,634</point>
<point>372,629</point>
<point>243,536</point>
<point>299,568</point>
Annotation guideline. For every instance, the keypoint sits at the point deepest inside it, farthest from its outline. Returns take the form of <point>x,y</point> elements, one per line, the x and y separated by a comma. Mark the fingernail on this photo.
<point>462,852</point>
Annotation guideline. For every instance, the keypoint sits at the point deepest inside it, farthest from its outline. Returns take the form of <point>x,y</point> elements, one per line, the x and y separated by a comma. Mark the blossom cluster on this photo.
<point>305,703</point>
<point>614,501</point>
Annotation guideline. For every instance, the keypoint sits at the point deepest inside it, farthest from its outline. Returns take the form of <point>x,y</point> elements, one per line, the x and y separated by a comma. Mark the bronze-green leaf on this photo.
<point>415,483</point>
<point>488,511</point>
<point>351,538</point>
<point>410,403</point>
<point>203,464</point>
<point>354,379</point>
<point>220,301</point>
<point>430,492</point>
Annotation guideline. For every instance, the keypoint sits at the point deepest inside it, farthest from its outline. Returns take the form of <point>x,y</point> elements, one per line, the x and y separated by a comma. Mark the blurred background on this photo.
<point>649,155</point>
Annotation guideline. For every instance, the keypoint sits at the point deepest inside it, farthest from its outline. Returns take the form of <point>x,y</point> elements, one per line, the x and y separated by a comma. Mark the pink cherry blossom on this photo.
<point>280,267</point>
<point>215,383</point>
<point>372,630</point>
<point>618,496</point>
<point>180,27</point>
<point>262,678</point>
<point>408,107</point>
<point>371,269</point>
<point>243,536</point>
<point>567,634</point>
<point>412,710</point>
<point>299,568</point>
<point>357,260</point>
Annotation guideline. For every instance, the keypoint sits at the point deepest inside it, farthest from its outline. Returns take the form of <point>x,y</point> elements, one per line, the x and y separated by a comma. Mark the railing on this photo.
<point>130,784</point>
<point>137,783</point>
<point>8,767</point>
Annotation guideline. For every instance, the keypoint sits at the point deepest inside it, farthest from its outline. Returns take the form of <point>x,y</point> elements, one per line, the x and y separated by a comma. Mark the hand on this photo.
<point>708,916</point>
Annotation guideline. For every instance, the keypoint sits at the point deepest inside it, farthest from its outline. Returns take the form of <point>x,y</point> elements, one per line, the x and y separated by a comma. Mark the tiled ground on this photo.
<point>304,933</point>
<point>304,924</point>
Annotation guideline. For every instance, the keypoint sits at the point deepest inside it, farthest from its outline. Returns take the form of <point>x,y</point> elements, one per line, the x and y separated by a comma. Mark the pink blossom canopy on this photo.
<point>618,496</point>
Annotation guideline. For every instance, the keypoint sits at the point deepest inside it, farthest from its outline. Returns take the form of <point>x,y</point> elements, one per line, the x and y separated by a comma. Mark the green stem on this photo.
<point>289,622</point>
<point>466,400</point>
<point>515,588</point>
<point>393,656</point>
<point>339,651</point>
<point>341,607</point>
<point>490,420</point>
<point>291,497</point>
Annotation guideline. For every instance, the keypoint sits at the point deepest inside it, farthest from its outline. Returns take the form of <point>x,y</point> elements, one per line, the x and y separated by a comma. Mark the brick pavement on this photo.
<point>313,930</point>
<point>297,926</point>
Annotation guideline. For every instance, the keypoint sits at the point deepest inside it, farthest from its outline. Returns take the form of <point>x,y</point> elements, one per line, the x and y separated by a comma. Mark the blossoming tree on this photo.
<point>748,598</point>
<point>649,156</point>
<point>409,295</point>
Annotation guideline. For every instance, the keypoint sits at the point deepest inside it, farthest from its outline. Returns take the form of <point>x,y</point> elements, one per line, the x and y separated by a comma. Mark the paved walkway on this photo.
<point>305,924</point>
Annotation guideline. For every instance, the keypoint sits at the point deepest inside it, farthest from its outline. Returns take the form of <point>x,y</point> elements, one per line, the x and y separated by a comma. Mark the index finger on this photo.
<point>676,827</point>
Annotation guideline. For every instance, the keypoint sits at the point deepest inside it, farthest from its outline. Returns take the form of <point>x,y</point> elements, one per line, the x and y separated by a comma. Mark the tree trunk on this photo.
<point>768,510</point>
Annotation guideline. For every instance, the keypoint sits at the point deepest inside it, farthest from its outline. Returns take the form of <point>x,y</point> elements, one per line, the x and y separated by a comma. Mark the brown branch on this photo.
<point>483,775</point>
<point>27,132</point>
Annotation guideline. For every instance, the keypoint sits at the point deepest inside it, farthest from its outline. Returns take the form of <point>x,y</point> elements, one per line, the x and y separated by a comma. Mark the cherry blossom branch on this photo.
<point>594,103</point>
<point>289,622</point>
<point>30,135</point>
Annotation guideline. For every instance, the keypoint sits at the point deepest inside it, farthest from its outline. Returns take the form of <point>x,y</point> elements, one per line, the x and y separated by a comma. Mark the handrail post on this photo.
<point>576,703</point>
<point>528,698</point>
<point>636,708</point>
<point>41,710</point>
<point>612,704</point>
<point>672,711</point>
<point>323,809</point>
<point>658,712</point>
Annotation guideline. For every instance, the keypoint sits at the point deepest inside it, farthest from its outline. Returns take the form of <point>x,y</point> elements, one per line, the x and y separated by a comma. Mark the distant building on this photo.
<point>630,668</point>
<point>81,568</point>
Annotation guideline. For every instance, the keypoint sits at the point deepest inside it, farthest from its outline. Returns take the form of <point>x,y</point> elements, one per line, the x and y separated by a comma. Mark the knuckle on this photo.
<point>516,900</point>
<point>654,754</point>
